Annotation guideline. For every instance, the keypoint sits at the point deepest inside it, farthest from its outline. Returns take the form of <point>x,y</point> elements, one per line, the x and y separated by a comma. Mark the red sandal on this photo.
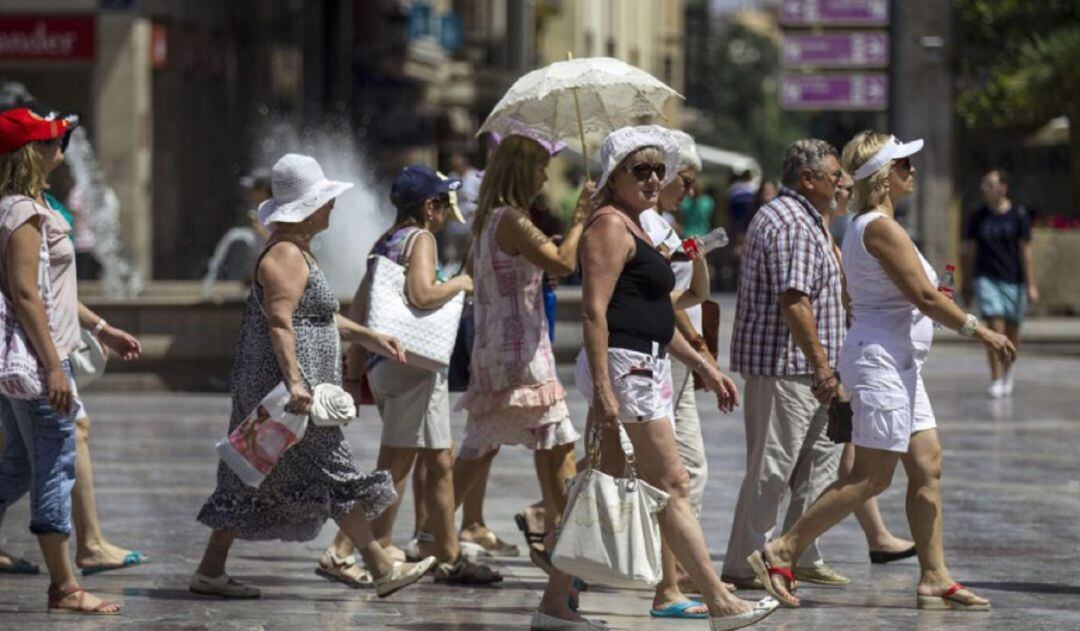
<point>947,601</point>
<point>56,595</point>
<point>764,571</point>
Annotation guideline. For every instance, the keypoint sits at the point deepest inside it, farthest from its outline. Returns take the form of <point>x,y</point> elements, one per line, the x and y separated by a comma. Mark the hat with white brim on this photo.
<point>626,140</point>
<point>299,188</point>
<point>893,150</point>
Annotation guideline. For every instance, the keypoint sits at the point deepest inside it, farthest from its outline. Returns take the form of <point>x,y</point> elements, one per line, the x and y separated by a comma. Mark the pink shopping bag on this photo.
<point>256,445</point>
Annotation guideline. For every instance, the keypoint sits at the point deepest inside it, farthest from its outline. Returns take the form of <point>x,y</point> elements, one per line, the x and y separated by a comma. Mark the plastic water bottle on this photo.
<point>947,285</point>
<point>700,246</point>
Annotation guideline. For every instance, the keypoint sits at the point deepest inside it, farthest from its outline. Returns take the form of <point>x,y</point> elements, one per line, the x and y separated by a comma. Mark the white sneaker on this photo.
<point>996,389</point>
<point>473,550</point>
<point>1009,378</point>
<point>401,576</point>
<point>224,586</point>
<point>543,622</point>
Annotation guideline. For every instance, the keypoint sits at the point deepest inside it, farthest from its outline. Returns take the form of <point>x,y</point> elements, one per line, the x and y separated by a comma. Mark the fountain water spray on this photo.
<point>101,206</point>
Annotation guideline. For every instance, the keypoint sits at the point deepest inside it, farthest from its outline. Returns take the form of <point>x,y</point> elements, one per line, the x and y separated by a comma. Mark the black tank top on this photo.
<point>640,311</point>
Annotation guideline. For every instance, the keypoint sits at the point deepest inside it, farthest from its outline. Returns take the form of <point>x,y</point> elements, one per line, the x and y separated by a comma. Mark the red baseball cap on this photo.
<point>21,126</point>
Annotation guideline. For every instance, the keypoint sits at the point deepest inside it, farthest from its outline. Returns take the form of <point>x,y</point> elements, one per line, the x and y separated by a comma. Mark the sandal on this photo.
<point>538,555</point>
<point>948,600</point>
<point>466,572</point>
<point>764,571</point>
<point>19,566</point>
<point>490,542</point>
<point>102,609</point>
<point>344,570</point>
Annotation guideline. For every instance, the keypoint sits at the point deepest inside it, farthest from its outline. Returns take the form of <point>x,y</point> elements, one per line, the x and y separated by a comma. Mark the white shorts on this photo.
<point>888,398</point>
<point>641,383</point>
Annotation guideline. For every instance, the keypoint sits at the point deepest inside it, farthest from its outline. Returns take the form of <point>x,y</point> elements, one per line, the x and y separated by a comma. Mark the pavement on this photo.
<point>1011,492</point>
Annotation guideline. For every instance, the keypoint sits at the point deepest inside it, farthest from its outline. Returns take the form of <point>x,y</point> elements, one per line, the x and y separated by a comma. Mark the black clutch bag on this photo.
<point>839,429</point>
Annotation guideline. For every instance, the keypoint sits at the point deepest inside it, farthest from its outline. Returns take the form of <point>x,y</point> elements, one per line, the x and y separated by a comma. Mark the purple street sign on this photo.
<point>834,13</point>
<point>836,50</point>
<point>837,92</point>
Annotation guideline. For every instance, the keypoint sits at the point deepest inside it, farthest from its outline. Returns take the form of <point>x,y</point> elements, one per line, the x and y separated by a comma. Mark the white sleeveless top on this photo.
<point>880,310</point>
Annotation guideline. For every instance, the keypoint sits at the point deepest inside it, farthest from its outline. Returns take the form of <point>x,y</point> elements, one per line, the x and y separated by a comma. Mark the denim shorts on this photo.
<point>39,457</point>
<point>1001,299</point>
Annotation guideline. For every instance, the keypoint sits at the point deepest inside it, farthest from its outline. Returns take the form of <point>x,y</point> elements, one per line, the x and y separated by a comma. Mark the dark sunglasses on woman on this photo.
<point>642,171</point>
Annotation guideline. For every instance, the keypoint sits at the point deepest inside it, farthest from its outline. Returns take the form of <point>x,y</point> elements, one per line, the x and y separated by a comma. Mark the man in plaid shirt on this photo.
<point>789,326</point>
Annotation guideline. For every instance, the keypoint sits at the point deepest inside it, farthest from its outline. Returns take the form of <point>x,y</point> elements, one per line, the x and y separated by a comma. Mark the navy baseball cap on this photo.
<point>417,183</point>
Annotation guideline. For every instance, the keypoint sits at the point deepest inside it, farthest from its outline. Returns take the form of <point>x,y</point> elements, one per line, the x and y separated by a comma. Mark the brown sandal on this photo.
<point>56,595</point>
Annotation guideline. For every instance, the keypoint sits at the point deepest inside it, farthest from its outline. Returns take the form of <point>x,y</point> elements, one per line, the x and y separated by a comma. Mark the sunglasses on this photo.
<point>642,172</point>
<point>902,163</point>
<point>687,182</point>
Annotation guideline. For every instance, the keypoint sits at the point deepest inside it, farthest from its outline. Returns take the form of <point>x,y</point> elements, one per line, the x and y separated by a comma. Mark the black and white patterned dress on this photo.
<point>317,478</point>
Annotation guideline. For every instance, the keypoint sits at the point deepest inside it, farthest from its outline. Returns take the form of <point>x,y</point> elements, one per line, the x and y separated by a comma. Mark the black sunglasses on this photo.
<point>687,182</point>
<point>902,163</point>
<point>642,171</point>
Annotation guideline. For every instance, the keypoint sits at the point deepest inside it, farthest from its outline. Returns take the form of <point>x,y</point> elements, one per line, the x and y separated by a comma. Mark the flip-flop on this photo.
<point>948,600</point>
<point>132,559</point>
<point>20,566</point>
<point>678,610</point>
<point>764,572</point>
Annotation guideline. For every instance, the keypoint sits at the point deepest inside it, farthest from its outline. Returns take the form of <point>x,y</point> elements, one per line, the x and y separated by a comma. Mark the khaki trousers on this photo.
<point>688,433</point>
<point>786,451</point>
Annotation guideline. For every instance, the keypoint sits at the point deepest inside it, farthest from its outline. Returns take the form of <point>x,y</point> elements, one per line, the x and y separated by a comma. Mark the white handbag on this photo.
<point>610,533</point>
<point>428,335</point>
<point>88,359</point>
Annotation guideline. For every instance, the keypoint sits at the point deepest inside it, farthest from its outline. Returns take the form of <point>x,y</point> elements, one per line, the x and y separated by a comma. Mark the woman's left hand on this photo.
<point>388,346</point>
<point>727,395</point>
<point>120,342</point>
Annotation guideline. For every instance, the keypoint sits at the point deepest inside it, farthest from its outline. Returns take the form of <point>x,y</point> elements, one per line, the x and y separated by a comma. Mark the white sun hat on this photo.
<point>893,150</point>
<point>626,140</point>
<point>688,155</point>
<point>299,189</point>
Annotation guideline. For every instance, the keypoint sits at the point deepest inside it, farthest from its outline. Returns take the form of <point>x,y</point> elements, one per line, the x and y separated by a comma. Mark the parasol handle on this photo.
<point>581,128</point>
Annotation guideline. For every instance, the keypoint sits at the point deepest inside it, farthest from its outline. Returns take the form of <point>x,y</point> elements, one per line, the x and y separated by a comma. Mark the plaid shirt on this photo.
<point>787,247</point>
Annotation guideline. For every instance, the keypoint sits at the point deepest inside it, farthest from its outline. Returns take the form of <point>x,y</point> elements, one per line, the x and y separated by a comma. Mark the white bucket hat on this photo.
<point>626,140</point>
<point>893,150</point>
<point>299,189</point>
<point>688,154</point>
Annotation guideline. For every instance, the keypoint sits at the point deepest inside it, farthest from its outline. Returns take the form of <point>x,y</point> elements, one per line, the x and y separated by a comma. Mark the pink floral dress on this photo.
<point>514,395</point>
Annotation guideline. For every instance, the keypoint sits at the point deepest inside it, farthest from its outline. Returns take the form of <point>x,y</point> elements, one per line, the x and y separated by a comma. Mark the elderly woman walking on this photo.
<point>292,332</point>
<point>624,370</point>
<point>895,304</point>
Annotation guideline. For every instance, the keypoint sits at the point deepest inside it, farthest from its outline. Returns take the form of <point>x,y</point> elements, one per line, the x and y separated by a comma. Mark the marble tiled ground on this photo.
<point>1012,508</point>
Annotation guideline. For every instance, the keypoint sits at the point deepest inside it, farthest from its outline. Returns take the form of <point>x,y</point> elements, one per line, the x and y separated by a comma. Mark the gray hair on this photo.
<point>809,153</point>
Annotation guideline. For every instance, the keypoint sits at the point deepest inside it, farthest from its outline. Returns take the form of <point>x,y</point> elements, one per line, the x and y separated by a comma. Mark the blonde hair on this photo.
<point>870,191</point>
<point>649,154</point>
<point>511,178</point>
<point>21,172</point>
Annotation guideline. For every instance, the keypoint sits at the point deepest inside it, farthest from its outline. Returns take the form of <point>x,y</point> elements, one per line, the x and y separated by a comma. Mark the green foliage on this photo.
<point>737,88</point>
<point>1019,61</point>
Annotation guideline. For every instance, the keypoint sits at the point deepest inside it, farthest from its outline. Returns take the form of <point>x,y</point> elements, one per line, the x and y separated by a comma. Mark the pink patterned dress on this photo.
<point>514,395</point>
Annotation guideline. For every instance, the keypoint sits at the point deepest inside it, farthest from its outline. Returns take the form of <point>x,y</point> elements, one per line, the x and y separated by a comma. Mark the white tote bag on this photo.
<point>610,533</point>
<point>428,335</point>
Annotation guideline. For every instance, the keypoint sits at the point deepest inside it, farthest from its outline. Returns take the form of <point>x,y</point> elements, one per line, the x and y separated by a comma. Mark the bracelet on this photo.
<point>98,327</point>
<point>970,324</point>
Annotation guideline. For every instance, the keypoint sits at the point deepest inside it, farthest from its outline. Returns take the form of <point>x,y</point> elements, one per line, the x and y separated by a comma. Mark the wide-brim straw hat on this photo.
<point>299,188</point>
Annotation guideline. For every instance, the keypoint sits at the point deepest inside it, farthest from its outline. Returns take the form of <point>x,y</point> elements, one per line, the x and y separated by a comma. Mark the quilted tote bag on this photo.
<point>610,533</point>
<point>21,374</point>
<point>428,335</point>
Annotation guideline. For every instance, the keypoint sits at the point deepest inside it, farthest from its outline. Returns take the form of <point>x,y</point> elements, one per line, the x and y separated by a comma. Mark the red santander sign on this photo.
<point>52,37</point>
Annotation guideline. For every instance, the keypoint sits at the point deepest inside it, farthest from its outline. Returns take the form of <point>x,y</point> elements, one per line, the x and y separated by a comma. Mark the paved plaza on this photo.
<point>1011,497</point>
